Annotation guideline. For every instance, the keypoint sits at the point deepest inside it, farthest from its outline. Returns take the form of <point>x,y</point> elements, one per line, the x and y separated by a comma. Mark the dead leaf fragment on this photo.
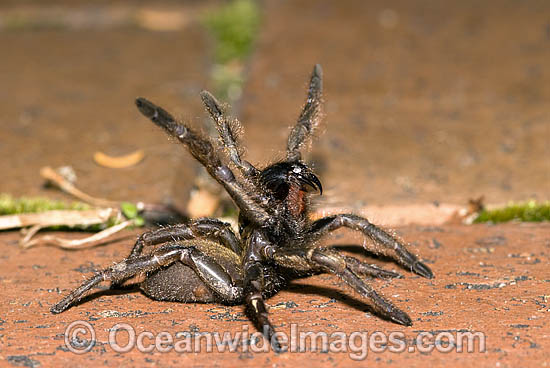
<point>119,162</point>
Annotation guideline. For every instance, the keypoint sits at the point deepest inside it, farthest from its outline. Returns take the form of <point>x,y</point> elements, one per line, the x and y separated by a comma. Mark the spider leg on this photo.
<point>212,274</point>
<point>228,131</point>
<point>309,117</point>
<point>202,149</point>
<point>384,243</point>
<point>337,264</point>
<point>256,305</point>
<point>206,228</point>
<point>361,268</point>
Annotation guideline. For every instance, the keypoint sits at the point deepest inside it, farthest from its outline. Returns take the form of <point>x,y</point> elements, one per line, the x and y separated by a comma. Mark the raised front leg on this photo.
<point>211,273</point>
<point>228,131</point>
<point>383,243</point>
<point>309,117</point>
<point>202,149</point>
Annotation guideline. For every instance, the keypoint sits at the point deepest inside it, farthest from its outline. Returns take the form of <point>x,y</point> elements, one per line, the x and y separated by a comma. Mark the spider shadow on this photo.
<point>116,291</point>
<point>332,293</point>
<point>328,292</point>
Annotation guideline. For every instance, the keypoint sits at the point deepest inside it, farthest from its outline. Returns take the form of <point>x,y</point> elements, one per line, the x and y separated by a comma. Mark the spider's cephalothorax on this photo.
<point>290,181</point>
<point>205,261</point>
<point>288,185</point>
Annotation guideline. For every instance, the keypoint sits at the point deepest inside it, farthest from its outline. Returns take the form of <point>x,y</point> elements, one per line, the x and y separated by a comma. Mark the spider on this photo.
<point>205,261</point>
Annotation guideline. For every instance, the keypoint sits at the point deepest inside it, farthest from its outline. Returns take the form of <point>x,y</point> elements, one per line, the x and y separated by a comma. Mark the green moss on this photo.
<point>530,211</point>
<point>11,206</point>
<point>131,212</point>
<point>234,27</point>
<point>20,22</point>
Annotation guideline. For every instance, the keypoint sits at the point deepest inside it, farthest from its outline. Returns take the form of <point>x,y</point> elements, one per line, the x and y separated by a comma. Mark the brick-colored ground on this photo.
<point>491,279</point>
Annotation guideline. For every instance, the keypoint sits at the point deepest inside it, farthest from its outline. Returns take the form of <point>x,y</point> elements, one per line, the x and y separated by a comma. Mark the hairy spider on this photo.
<point>205,261</point>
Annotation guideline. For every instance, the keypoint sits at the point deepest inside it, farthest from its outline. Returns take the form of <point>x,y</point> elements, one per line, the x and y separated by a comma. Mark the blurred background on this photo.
<point>428,103</point>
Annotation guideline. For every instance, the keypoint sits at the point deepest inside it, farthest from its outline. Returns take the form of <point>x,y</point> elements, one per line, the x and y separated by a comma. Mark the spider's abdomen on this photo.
<point>177,283</point>
<point>180,283</point>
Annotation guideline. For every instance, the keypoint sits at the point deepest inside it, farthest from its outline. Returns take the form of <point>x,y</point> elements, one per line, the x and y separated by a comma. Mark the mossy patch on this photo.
<point>12,206</point>
<point>234,26</point>
<point>530,211</point>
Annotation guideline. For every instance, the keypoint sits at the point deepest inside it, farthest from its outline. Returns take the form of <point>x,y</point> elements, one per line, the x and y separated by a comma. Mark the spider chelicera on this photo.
<point>205,261</point>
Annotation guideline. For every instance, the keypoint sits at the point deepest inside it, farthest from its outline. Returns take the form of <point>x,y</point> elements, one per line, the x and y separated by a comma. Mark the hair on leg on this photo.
<point>247,200</point>
<point>384,243</point>
<point>309,117</point>
<point>228,131</point>
<point>205,228</point>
